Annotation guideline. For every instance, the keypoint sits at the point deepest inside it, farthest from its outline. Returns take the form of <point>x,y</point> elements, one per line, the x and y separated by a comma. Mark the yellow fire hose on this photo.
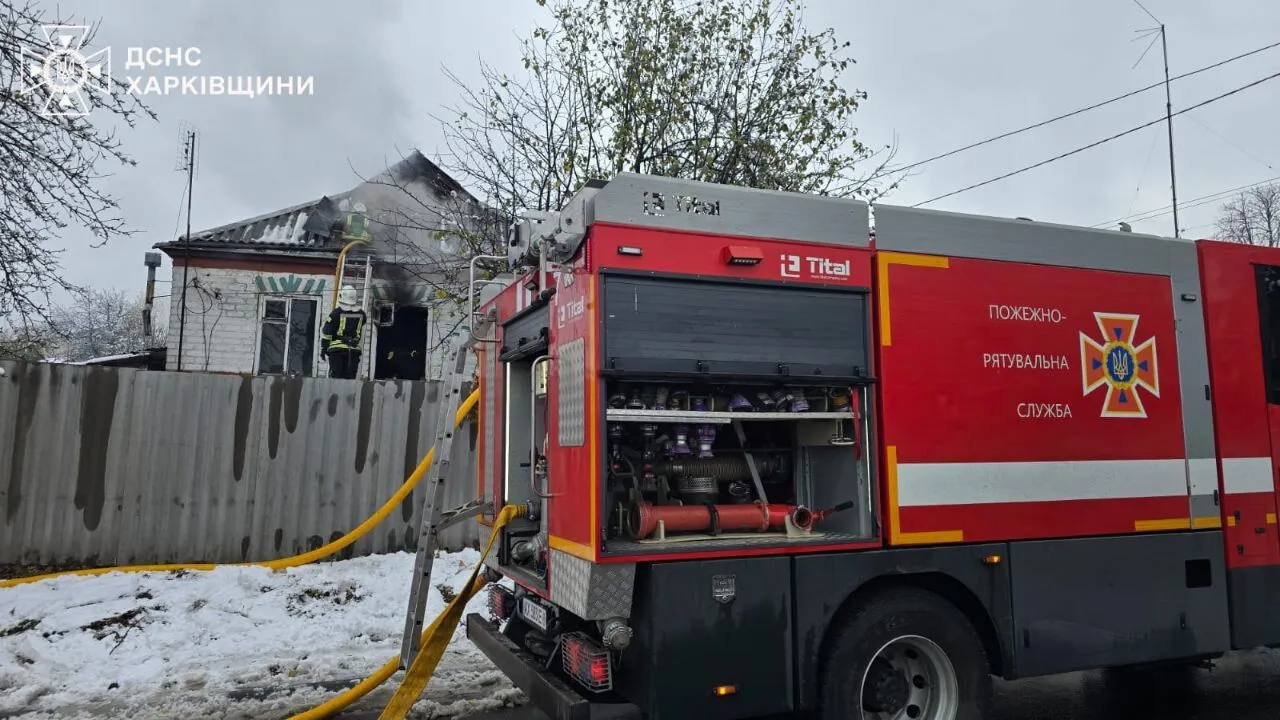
<point>305,558</point>
<point>434,639</point>
<point>337,269</point>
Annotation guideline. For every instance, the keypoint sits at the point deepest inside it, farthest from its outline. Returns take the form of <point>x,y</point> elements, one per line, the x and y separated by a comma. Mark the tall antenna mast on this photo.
<point>1168,109</point>
<point>187,162</point>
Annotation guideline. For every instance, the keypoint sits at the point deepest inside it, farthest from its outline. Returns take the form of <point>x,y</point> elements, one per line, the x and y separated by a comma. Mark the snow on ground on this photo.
<point>235,642</point>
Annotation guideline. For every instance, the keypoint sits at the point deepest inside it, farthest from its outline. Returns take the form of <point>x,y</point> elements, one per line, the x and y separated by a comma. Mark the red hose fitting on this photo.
<point>803,518</point>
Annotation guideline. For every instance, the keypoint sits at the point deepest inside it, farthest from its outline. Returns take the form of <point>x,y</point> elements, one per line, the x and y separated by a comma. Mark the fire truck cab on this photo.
<point>777,463</point>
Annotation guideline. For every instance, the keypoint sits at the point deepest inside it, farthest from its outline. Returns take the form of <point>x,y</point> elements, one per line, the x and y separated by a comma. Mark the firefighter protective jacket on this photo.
<point>343,330</point>
<point>355,227</point>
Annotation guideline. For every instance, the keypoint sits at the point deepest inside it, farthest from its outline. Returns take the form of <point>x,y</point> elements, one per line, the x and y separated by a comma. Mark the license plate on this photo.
<point>534,612</point>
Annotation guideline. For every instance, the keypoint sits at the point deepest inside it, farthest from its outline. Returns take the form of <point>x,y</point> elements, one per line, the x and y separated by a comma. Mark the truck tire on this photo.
<point>905,654</point>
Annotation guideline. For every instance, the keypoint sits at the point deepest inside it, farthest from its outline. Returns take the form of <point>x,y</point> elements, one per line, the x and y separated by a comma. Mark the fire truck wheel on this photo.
<point>905,654</point>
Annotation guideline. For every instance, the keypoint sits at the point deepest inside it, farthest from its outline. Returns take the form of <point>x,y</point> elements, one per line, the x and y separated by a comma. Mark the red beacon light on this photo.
<point>741,255</point>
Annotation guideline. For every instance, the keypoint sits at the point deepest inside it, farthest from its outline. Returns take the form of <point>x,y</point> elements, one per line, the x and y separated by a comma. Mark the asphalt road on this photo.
<point>1244,686</point>
<point>1240,687</point>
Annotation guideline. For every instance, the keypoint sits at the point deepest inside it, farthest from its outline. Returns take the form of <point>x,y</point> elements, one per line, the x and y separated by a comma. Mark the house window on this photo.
<point>287,345</point>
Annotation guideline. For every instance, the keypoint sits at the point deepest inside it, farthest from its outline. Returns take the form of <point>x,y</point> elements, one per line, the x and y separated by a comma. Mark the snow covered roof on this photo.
<point>106,359</point>
<point>142,358</point>
<point>287,228</point>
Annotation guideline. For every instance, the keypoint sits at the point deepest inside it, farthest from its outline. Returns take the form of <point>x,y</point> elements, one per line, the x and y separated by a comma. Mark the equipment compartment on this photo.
<point>521,550</point>
<point>698,466</point>
<point>714,329</point>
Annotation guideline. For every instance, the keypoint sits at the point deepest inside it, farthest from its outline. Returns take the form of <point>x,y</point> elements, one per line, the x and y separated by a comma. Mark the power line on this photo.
<point>1073,113</point>
<point>1199,227</point>
<point>1190,204</point>
<point>1103,141</point>
<point>1232,143</point>
<point>1193,202</point>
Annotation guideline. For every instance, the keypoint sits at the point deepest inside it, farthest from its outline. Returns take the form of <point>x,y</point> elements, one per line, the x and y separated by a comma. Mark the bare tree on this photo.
<point>430,239</point>
<point>1253,218</point>
<point>434,243</point>
<point>735,92</point>
<point>425,229</point>
<point>49,162</point>
<point>98,323</point>
<point>28,344</point>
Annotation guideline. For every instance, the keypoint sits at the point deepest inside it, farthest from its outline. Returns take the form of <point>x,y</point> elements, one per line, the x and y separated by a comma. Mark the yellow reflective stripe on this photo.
<point>340,334</point>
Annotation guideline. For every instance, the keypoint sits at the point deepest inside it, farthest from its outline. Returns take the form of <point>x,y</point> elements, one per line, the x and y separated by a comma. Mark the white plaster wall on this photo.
<point>224,313</point>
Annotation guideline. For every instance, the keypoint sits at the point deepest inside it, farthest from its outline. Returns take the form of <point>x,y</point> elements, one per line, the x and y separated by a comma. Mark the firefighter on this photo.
<point>356,225</point>
<point>404,364</point>
<point>342,333</point>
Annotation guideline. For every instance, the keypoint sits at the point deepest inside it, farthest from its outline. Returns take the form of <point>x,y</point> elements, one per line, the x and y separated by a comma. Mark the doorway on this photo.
<point>402,343</point>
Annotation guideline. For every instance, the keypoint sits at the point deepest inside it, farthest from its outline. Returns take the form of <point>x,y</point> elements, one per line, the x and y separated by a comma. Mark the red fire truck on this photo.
<point>777,463</point>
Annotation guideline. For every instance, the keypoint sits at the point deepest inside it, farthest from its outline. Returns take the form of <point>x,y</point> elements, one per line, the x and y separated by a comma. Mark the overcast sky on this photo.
<point>940,75</point>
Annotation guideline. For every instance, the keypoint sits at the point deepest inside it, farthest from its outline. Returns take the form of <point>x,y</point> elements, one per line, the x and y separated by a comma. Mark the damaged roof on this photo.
<point>308,226</point>
<point>298,227</point>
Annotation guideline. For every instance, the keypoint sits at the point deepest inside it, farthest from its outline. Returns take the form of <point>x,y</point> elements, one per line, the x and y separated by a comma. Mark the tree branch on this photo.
<point>48,171</point>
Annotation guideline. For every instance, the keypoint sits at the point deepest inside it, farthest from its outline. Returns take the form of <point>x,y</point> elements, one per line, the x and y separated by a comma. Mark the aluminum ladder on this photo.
<point>357,272</point>
<point>433,520</point>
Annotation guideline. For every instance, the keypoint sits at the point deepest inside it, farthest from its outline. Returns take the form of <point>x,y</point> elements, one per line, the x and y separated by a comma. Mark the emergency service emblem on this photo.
<point>724,588</point>
<point>1119,365</point>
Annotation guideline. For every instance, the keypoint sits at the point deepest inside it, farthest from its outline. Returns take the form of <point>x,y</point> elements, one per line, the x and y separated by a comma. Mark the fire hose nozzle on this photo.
<point>804,518</point>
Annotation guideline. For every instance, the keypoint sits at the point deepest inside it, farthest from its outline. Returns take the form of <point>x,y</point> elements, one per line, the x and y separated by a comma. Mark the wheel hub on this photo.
<point>910,678</point>
<point>886,690</point>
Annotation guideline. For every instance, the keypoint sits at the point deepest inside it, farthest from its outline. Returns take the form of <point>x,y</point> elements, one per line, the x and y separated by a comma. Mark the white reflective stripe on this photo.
<point>1012,482</point>
<point>1247,475</point>
<point>524,298</point>
<point>1204,475</point>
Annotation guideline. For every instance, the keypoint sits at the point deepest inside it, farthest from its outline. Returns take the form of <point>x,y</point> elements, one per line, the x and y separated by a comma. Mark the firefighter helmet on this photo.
<point>347,296</point>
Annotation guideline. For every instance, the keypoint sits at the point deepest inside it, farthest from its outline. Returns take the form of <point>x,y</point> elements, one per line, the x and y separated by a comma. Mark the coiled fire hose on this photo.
<point>305,558</point>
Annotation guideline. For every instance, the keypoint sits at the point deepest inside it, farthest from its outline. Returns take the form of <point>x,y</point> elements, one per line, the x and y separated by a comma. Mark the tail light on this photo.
<point>586,661</point>
<point>502,602</point>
